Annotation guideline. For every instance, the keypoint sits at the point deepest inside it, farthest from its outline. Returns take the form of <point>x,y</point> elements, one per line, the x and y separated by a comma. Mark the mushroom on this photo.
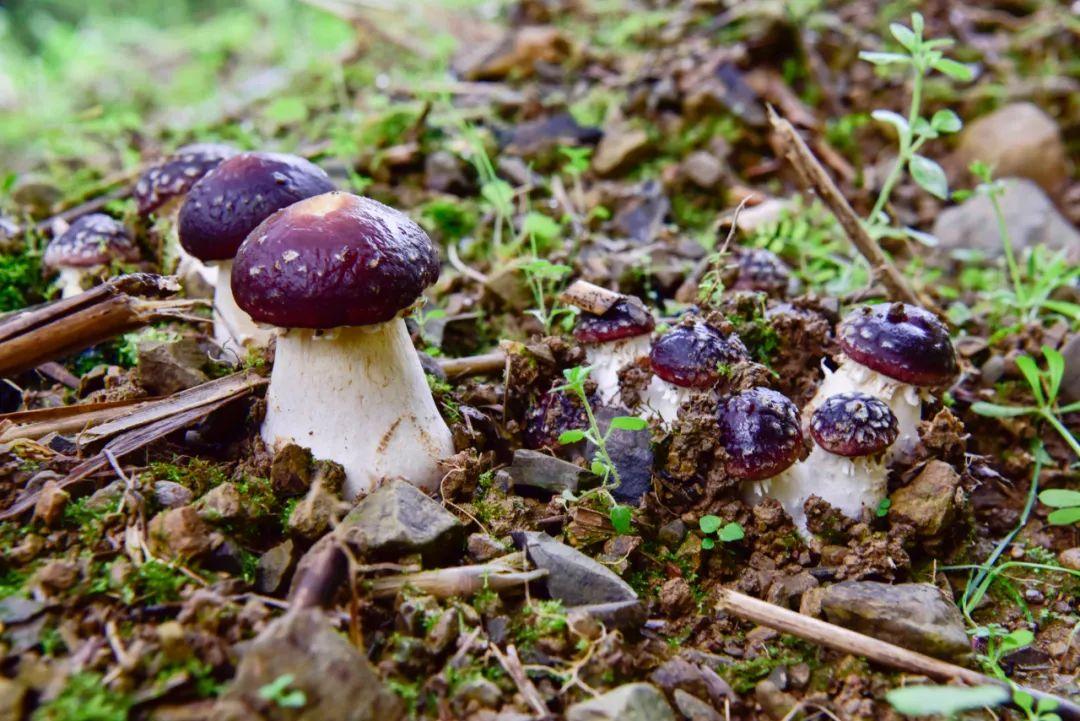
<point>762,270</point>
<point>892,352</point>
<point>846,467</point>
<point>162,187</point>
<point>692,356</point>
<point>613,340</point>
<point>335,273</point>
<point>224,206</point>
<point>760,433</point>
<point>90,243</point>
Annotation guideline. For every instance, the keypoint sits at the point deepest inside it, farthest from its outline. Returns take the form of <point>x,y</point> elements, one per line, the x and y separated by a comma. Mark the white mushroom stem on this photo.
<point>233,328</point>
<point>357,396</point>
<point>904,399</point>
<point>848,484</point>
<point>189,267</point>
<point>607,359</point>
<point>663,400</point>
<point>70,280</point>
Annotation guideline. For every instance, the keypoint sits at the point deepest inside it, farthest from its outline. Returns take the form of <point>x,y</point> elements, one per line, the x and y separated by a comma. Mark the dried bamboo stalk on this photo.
<point>64,419</point>
<point>589,297</point>
<point>500,574</point>
<point>473,365</point>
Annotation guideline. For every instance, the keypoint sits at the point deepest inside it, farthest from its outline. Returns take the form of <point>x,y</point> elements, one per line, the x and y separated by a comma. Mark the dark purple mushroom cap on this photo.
<point>762,270</point>
<point>333,260</point>
<point>760,430</point>
<point>626,318</point>
<point>243,191</point>
<point>901,341</point>
<point>94,239</point>
<point>854,424</point>
<point>175,175</point>
<point>690,355</point>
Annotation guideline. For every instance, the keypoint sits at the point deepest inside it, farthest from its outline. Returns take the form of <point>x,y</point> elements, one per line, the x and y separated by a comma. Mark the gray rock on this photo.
<point>486,693</point>
<point>693,708</point>
<point>221,503</point>
<point>641,216</point>
<point>631,702</point>
<point>620,149</point>
<point>1029,216</point>
<point>16,609</point>
<point>929,501</point>
<point>536,137</point>
<point>483,547</point>
<point>108,497</point>
<point>916,616</point>
<point>275,567</point>
<point>1020,140</point>
<point>165,367</point>
<point>1070,381</point>
<point>573,578</point>
<point>338,681</point>
<point>168,494</point>
<point>540,470</point>
<point>397,518</point>
<point>632,453</point>
<point>703,169</point>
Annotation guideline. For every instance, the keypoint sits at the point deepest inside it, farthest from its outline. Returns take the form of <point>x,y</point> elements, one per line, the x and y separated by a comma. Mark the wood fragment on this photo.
<point>63,419</point>
<point>501,574</point>
<point>845,640</point>
<point>814,176</point>
<point>589,297</point>
<point>512,665</point>
<point>58,373</point>
<point>473,365</point>
<point>319,574</point>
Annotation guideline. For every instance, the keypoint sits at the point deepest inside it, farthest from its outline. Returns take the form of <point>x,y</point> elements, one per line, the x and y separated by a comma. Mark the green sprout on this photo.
<point>278,693</point>
<point>726,532</point>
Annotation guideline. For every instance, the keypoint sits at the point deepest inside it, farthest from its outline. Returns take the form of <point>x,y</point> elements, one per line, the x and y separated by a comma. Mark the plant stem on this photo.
<point>1062,430</point>
<point>601,440</point>
<point>1006,242</point>
<point>905,150</point>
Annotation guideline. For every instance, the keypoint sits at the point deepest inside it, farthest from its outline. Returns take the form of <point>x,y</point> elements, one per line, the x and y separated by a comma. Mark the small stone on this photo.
<point>573,578</point>
<point>397,519</point>
<point>290,471</point>
<point>483,547</point>
<point>536,469</point>
<point>169,494</point>
<point>1070,558</point>
<point>1018,139</point>
<point>929,501</point>
<point>221,503</point>
<point>50,505</point>
<point>337,680</point>
<point>443,632</point>
<point>181,533</point>
<point>621,148</point>
<point>632,454</point>
<point>533,138</point>
<point>693,708</point>
<point>624,615</point>
<point>166,367</point>
<point>56,576</point>
<point>518,52</point>
<point>916,616</point>
<point>173,640</point>
<point>776,703</point>
<point>703,169</point>
<point>17,609</point>
<point>676,598</point>
<point>631,702</point>
<point>275,567</point>
<point>479,689</point>
<point>445,173</point>
<point>316,511</point>
<point>12,699</point>
<point>26,550</point>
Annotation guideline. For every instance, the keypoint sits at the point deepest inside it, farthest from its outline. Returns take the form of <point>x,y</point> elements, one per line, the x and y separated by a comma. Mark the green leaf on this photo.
<point>573,436</point>
<point>993,410</point>
<point>883,507</point>
<point>1055,366</point>
<point>732,532</point>
<point>1060,498</point>
<point>1064,517</point>
<point>929,176</point>
<point>541,227</point>
<point>499,193</point>
<point>629,423</point>
<point>885,58</point>
<point>710,524</point>
<point>708,544</point>
<point>598,468</point>
<point>923,129</point>
<point>620,518</point>
<point>946,121</point>
<point>955,70</point>
<point>1063,307</point>
<point>917,23</point>
<point>904,36</point>
<point>895,119</point>
<point>1027,366</point>
<point>945,700</point>
<point>1020,638</point>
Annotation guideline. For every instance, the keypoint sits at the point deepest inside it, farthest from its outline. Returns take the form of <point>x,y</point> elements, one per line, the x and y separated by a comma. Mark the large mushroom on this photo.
<point>846,467</point>
<point>760,433</point>
<point>690,357</point>
<point>335,272</point>
<point>893,352</point>
<point>224,206</point>
<point>89,244</point>
<point>616,338</point>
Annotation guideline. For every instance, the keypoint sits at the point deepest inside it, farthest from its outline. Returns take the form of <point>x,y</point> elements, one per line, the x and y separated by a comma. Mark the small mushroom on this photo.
<point>892,352</point>
<point>224,206</point>
<point>762,270</point>
<point>692,356</point>
<point>89,244</point>
<point>335,273</point>
<point>163,185</point>
<point>613,340</point>
<point>846,467</point>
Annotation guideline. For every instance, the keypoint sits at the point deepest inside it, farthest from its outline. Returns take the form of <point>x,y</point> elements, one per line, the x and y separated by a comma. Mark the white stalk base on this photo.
<point>357,396</point>
<point>607,359</point>
<point>234,329</point>
<point>848,484</point>
<point>904,400</point>
<point>70,281</point>
<point>663,400</point>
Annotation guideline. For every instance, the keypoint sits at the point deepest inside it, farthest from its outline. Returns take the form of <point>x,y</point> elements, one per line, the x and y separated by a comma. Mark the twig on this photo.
<point>512,665</point>
<point>590,297</point>
<point>500,574</point>
<point>459,265</point>
<point>848,641</point>
<point>473,365</point>
<point>814,176</point>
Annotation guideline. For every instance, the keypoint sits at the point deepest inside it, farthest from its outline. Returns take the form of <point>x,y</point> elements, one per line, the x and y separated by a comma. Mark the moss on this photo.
<point>538,619</point>
<point>196,474</point>
<point>21,280</point>
<point>85,698</point>
<point>743,675</point>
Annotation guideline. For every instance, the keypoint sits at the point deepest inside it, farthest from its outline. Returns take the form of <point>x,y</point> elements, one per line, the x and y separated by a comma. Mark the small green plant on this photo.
<point>920,56</point>
<point>278,693</point>
<point>1045,385</point>
<point>1043,710</point>
<point>85,698</point>
<point>577,160</point>
<point>725,532</point>
<point>602,465</point>
<point>945,700</point>
<point>423,316</point>
<point>883,507</point>
<point>1067,504</point>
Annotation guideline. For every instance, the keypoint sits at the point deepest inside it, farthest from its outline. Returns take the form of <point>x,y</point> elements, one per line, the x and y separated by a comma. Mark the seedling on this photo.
<point>920,56</point>
<point>1043,710</point>
<point>1045,385</point>
<point>278,693</point>
<point>726,532</point>
<point>601,465</point>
